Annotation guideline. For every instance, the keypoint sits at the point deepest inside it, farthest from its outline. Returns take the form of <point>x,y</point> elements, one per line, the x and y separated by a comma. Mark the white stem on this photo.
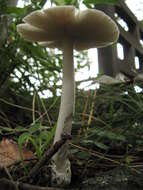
<point>64,124</point>
<point>67,99</point>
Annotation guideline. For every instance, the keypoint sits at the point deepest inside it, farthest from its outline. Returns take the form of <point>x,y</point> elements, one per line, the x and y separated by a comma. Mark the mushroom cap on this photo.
<point>88,29</point>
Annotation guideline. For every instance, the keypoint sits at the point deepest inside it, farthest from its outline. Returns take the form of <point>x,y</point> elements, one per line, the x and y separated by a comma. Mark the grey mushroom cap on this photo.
<point>88,29</point>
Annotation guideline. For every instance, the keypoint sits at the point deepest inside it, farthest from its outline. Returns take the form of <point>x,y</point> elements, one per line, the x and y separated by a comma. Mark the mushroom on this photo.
<point>67,28</point>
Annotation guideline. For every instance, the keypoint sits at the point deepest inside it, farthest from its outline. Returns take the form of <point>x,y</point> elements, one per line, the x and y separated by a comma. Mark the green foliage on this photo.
<point>16,11</point>
<point>25,68</point>
<point>65,2</point>
<point>39,136</point>
<point>28,66</point>
<point>95,2</point>
<point>87,3</point>
<point>116,127</point>
<point>115,132</point>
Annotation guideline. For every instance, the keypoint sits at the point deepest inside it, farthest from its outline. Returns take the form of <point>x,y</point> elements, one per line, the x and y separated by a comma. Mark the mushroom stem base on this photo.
<point>61,178</point>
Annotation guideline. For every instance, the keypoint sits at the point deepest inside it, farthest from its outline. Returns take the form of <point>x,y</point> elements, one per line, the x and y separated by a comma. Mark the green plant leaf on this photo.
<point>16,10</point>
<point>59,2</point>
<point>44,135</point>
<point>128,159</point>
<point>65,2</point>
<point>34,127</point>
<point>106,134</point>
<point>49,137</point>
<point>98,144</point>
<point>83,155</point>
<point>23,138</point>
<point>101,2</point>
<point>36,147</point>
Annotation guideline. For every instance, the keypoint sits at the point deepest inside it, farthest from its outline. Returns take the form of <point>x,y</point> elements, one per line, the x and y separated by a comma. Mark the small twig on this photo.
<point>10,177</point>
<point>33,107</point>
<point>7,184</point>
<point>86,80</point>
<point>25,186</point>
<point>17,106</point>
<point>47,155</point>
<point>96,154</point>
<point>25,161</point>
<point>91,111</point>
<point>85,108</point>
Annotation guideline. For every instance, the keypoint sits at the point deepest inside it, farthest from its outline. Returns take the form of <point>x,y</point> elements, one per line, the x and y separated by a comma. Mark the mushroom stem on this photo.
<point>61,172</point>
<point>64,123</point>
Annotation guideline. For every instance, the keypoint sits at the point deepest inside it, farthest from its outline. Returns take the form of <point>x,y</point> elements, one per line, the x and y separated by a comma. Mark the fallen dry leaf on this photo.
<point>10,154</point>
